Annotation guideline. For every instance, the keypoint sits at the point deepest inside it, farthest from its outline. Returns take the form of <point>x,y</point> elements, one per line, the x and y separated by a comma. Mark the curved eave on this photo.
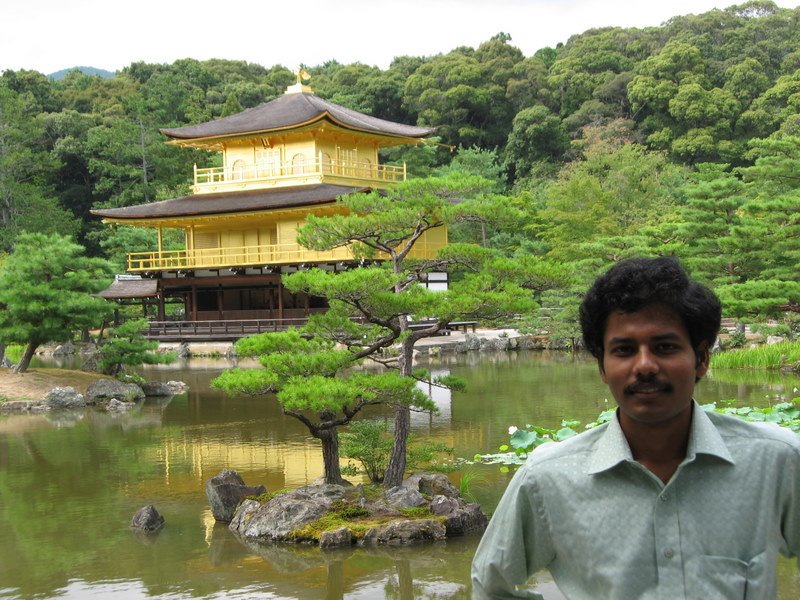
<point>219,140</point>
<point>179,212</point>
<point>180,222</point>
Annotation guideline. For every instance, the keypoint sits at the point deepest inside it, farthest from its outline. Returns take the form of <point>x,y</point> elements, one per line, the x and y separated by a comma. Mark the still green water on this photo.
<point>71,481</point>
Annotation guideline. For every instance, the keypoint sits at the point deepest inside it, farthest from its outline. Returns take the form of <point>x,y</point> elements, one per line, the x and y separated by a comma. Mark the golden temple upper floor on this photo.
<point>296,139</point>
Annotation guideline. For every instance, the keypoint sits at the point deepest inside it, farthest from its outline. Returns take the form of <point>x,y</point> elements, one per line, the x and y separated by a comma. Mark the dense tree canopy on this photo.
<point>664,140</point>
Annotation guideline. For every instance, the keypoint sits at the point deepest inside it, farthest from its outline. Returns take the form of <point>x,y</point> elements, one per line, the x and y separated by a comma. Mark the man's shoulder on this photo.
<point>738,431</point>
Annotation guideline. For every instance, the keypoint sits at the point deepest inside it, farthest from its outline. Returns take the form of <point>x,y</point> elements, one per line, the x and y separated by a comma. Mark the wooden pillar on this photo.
<point>162,314</point>
<point>194,303</point>
<point>306,307</point>
<point>280,299</point>
<point>219,303</point>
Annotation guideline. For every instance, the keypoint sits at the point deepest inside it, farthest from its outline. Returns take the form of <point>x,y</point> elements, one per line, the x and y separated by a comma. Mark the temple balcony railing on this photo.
<point>253,256</point>
<point>269,175</point>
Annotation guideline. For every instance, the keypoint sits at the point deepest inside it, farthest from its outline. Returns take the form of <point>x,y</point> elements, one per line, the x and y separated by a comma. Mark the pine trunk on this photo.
<point>330,455</point>
<point>25,361</point>
<point>396,468</point>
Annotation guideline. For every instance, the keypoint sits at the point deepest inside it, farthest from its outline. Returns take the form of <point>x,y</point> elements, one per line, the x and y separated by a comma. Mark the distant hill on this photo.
<point>86,70</point>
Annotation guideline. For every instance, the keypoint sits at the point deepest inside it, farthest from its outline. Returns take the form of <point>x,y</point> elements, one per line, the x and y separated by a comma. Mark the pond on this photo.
<point>71,481</point>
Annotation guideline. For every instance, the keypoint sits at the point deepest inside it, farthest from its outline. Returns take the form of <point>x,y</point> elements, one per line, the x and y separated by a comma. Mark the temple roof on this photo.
<point>290,111</point>
<point>129,287</point>
<point>231,202</point>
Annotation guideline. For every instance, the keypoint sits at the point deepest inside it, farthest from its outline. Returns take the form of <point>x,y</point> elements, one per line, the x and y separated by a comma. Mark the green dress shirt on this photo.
<point>607,528</point>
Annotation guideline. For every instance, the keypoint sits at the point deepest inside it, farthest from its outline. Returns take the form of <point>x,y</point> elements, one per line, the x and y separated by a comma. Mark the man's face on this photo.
<point>649,364</point>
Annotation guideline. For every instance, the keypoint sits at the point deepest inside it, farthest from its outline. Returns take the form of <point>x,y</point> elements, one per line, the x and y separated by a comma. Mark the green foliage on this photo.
<point>773,356</point>
<point>785,414</point>
<point>369,443</point>
<point>416,512</point>
<point>469,478</point>
<point>126,346</point>
<point>14,352</point>
<point>45,286</point>
<point>27,200</point>
<point>131,378</point>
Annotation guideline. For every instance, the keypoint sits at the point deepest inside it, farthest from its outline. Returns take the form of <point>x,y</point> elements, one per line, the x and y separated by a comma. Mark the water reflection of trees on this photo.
<point>757,377</point>
<point>401,573</point>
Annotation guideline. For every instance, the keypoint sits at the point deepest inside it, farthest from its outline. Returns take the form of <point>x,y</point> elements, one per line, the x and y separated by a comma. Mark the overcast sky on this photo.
<point>49,35</point>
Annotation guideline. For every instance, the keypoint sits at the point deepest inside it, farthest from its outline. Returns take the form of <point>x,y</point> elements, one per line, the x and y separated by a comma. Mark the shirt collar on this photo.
<point>612,448</point>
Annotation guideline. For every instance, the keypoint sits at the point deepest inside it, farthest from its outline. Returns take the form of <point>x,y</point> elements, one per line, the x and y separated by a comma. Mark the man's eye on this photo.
<point>667,347</point>
<point>621,350</point>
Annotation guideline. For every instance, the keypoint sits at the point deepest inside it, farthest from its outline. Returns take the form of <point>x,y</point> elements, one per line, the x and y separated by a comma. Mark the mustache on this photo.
<point>653,385</point>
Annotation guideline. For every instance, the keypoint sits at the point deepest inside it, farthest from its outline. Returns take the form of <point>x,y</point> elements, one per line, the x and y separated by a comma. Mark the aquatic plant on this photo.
<point>522,441</point>
<point>773,356</point>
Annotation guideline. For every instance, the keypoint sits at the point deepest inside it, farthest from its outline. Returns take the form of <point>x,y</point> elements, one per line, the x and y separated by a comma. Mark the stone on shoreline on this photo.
<point>103,390</point>
<point>66,397</point>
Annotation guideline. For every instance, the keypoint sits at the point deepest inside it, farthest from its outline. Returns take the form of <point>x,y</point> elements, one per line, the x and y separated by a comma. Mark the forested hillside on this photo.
<point>680,139</point>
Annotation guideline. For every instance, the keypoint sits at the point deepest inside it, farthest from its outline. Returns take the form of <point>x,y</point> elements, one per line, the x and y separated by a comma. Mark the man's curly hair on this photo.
<point>632,284</point>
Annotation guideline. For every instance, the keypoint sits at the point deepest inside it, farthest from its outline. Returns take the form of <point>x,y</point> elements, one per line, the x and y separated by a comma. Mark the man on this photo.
<point>665,501</point>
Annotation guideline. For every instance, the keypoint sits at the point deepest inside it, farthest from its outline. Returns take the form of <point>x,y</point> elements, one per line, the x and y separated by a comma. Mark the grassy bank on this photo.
<point>35,383</point>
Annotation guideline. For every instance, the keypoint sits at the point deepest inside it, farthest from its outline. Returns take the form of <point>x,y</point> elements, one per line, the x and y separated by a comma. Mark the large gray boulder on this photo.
<point>337,538</point>
<point>432,484</point>
<point>404,497</point>
<point>329,492</point>
<point>226,491</point>
<point>460,517</point>
<point>66,397</point>
<point>277,519</point>
<point>399,533</point>
<point>102,390</point>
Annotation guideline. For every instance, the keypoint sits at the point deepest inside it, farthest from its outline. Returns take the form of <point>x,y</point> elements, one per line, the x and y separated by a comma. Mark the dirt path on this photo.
<point>35,383</point>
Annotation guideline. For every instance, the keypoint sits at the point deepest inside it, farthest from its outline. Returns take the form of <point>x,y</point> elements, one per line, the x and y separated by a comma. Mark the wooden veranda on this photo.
<point>215,331</point>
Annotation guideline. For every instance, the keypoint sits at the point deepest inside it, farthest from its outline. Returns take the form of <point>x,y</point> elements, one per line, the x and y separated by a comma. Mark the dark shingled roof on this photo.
<point>291,110</point>
<point>130,288</point>
<point>231,202</point>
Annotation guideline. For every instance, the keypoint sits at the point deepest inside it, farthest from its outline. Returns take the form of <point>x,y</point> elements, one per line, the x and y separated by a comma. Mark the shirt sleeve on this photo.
<point>516,544</point>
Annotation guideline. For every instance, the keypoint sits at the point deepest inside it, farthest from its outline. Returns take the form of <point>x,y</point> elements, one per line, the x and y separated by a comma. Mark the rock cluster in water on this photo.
<point>438,512</point>
<point>109,394</point>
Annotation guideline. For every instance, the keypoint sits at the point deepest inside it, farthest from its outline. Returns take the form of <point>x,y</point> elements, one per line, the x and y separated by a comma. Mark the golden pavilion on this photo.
<point>281,161</point>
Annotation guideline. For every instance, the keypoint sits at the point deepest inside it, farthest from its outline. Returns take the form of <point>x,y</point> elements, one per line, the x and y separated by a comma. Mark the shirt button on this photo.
<point>668,553</point>
<point>664,497</point>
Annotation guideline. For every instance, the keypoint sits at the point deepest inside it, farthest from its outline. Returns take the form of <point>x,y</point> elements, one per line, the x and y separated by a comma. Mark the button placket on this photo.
<point>667,538</point>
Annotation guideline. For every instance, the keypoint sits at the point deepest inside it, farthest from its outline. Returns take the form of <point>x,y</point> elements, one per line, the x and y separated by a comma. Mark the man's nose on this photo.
<point>645,364</point>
